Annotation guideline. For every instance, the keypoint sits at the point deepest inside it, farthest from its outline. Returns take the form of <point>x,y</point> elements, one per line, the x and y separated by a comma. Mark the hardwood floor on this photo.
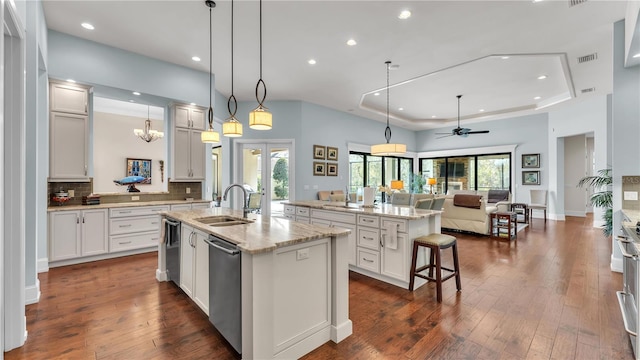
<point>551,295</point>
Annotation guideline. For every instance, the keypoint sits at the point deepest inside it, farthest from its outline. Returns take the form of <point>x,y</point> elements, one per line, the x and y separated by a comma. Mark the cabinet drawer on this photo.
<point>302,211</point>
<point>303,219</point>
<point>135,211</point>
<point>289,210</point>
<point>133,241</point>
<point>179,207</point>
<point>369,260</point>
<point>134,224</point>
<point>366,220</point>
<point>289,217</point>
<point>402,224</point>
<point>320,222</point>
<point>200,206</point>
<point>338,216</point>
<point>369,238</point>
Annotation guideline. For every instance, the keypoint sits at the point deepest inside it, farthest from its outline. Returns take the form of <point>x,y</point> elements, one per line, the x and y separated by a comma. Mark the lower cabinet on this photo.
<point>78,233</point>
<point>132,228</point>
<point>194,266</point>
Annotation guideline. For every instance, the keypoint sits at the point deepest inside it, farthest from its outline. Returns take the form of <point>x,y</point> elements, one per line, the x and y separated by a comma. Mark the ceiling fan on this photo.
<point>460,131</point>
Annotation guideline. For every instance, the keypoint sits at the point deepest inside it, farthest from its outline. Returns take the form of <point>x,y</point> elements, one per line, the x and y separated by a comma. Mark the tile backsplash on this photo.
<point>176,191</point>
<point>631,192</point>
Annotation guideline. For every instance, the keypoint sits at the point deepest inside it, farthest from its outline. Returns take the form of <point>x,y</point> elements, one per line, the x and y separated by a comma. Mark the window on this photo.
<point>475,172</point>
<point>369,170</point>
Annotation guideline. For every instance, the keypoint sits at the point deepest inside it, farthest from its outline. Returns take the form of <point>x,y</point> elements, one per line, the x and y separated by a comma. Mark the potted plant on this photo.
<point>602,196</point>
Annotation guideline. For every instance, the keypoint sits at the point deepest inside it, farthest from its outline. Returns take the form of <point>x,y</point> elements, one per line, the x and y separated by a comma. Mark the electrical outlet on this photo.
<point>306,187</point>
<point>302,254</point>
<point>135,198</point>
<point>188,190</point>
<point>72,193</point>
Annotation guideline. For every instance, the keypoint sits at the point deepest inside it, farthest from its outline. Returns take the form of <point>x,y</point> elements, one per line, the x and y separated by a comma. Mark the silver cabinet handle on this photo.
<point>77,220</point>
<point>381,242</point>
<point>367,260</point>
<point>124,242</point>
<point>124,211</point>
<point>367,220</point>
<point>367,238</point>
<point>124,226</point>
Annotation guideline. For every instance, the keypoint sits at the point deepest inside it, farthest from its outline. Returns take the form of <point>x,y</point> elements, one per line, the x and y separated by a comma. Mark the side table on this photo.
<point>521,209</point>
<point>502,226</point>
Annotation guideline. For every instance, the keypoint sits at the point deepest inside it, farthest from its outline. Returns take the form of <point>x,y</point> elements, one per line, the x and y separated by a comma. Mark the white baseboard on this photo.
<point>616,264</point>
<point>575,213</point>
<point>556,217</point>
<point>161,275</point>
<point>342,331</point>
<point>43,265</point>
<point>32,293</point>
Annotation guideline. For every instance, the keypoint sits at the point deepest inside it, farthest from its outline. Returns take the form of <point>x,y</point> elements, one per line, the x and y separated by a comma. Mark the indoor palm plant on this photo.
<point>602,196</point>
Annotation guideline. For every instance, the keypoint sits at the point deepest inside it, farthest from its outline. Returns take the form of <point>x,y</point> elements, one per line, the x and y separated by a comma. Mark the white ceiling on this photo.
<point>444,49</point>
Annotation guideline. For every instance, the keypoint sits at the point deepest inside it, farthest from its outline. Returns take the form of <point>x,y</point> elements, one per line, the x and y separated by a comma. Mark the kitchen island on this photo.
<point>294,279</point>
<point>381,240</point>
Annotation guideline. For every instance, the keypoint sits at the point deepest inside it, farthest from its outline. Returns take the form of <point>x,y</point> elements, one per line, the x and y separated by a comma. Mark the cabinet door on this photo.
<point>201,273</point>
<point>68,153</point>
<point>181,116</point>
<point>69,99</point>
<point>351,239</point>
<point>179,207</point>
<point>197,156</point>
<point>181,154</point>
<point>186,259</point>
<point>394,262</point>
<point>94,232</point>
<point>199,121</point>
<point>64,235</point>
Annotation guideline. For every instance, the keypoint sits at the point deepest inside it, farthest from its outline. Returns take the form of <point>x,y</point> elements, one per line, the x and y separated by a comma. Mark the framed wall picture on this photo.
<point>318,168</point>
<point>530,160</point>
<point>332,153</point>
<point>319,152</point>
<point>332,169</point>
<point>531,178</point>
<point>139,167</point>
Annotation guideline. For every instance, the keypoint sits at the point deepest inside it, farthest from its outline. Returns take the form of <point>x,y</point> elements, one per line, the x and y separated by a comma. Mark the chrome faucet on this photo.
<point>347,198</point>
<point>245,207</point>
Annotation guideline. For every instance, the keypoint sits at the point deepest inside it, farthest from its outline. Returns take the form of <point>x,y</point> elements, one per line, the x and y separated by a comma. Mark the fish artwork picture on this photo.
<point>131,182</point>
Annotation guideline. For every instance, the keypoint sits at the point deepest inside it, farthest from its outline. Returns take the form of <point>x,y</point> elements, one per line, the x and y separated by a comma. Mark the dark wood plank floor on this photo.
<point>551,295</point>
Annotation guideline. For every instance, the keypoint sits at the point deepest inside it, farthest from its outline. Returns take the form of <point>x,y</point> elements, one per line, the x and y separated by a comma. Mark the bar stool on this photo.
<point>435,242</point>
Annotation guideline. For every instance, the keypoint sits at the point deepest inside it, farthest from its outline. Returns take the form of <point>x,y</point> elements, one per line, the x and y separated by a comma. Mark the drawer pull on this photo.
<point>154,239</point>
<point>155,222</point>
<point>367,220</point>
<point>367,238</point>
<point>124,212</point>
<point>125,242</point>
<point>367,260</point>
<point>123,226</point>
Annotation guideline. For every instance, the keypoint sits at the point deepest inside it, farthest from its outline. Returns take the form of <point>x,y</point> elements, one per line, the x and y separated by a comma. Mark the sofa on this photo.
<point>469,219</point>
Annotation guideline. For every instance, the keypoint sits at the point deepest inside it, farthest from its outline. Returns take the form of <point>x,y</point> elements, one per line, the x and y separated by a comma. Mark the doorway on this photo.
<point>267,169</point>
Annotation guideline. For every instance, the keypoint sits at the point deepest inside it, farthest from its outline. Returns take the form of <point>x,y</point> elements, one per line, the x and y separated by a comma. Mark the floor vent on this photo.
<point>586,58</point>
<point>588,90</point>
<point>576,2</point>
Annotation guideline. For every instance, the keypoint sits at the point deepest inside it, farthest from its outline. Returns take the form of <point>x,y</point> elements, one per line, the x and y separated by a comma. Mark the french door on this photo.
<point>266,168</point>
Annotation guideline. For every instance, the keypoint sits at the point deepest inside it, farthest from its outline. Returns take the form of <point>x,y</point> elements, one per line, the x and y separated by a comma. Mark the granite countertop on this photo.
<point>398,211</point>
<point>630,226</point>
<point>263,234</point>
<point>122,204</point>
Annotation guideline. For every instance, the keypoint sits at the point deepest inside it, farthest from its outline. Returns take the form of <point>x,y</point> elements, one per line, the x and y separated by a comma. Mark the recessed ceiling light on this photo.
<point>535,1</point>
<point>504,57</point>
<point>195,58</point>
<point>136,93</point>
<point>404,14</point>
<point>401,109</point>
<point>433,116</point>
<point>636,55</point>
<point>537,98</point>
<point>351,42</point>
<point>311,62</point>
<point>376,94</point>
<point>87,26</point>
<point>542,77</point>
<point>193,104</point>
<point>481,110</point>
<point>71,81</point>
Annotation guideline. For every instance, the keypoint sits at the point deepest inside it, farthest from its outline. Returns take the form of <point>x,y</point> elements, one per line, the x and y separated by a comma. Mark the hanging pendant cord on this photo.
<point>235,103</point>
<point>387,131</point>
<point>261,40</point>
<point>210,4</point>
<point>260,81</point>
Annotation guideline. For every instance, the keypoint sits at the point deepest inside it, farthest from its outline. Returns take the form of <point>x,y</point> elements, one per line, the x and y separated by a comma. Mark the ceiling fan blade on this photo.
<point>447,133</point>
<point>440,137</point>
<point>478,132</point>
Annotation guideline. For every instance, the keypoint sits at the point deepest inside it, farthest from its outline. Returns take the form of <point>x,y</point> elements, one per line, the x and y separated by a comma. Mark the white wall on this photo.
<point>114,142</point>
<point>575,152</point>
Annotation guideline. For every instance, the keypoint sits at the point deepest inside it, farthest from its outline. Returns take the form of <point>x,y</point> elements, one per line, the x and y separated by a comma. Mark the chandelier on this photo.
<point>147,134</point>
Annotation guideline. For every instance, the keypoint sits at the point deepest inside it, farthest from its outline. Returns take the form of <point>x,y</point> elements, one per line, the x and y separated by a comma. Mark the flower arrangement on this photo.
<point>384,189</point>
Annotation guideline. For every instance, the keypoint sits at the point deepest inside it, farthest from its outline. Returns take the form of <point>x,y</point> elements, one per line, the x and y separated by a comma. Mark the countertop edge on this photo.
<point>123,204</point>
<point>379,210</point>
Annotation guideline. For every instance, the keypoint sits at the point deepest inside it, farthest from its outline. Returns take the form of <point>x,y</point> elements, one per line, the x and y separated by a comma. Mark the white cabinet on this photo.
<point>188,155</point>
<point>335,219</point>
<point>133,228</point>
<point>74,234</point>
<point>194,266</point>
<point>190,117</point>
<point>204,205</point>
<point>189,206</point>
<point>68,132</point>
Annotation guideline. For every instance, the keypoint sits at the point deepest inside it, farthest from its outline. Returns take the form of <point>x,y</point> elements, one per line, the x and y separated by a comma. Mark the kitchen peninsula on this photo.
<point>381,239</point>
<point>294,279</point>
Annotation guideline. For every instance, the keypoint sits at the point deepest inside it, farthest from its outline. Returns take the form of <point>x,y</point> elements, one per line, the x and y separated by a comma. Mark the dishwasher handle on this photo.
<point>172,223</point>
<point>221,248</point>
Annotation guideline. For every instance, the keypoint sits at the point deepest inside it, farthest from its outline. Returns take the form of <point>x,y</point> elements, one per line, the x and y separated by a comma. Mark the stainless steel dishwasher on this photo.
<point>225,302</point>
<point>172,246</point>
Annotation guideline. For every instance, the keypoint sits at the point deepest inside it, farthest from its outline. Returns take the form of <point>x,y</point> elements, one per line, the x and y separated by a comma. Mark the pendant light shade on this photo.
<point>210,135</point>
<point>260,118</point>
<point>388,148</point>
<point>232,127</point>
<point>147,134</point>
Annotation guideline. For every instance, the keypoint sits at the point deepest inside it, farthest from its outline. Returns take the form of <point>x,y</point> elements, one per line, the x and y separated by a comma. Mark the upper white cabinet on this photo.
<point>189,116</point>
<point>188,149</point>
<point>68,132</point>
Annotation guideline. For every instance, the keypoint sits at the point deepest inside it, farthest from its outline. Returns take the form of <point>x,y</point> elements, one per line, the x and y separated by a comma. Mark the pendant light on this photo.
<point>232,127</point>
<point>209,135</point>
<point>147,134</point>
<point>386,149</point>
<point>260,118</point>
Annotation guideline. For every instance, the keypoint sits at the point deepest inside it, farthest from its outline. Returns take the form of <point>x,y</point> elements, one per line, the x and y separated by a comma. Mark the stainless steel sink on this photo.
<point>222,220</point>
